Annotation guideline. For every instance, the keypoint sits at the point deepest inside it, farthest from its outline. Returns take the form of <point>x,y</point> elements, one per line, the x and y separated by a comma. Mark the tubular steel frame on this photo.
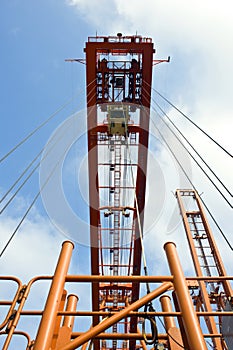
<point>56,334</point>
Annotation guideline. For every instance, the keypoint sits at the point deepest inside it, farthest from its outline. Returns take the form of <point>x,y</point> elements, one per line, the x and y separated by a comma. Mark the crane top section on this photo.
<point>119,69</point>
<point>119,38</point>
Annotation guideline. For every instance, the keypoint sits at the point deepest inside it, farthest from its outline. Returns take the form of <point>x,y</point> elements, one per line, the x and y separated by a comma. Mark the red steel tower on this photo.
<point>119,73</point>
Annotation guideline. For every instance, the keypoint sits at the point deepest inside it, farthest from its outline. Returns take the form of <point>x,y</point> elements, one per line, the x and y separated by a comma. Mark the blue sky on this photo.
<point>37,36</point>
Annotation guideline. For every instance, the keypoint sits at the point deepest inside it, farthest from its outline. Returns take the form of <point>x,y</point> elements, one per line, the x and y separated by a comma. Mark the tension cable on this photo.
<point>185,138</point>
<point>34,131</point>
<point>36,196</point>
<point>204,172</point>
<point>40,126</point>
<point>188,178</point>
<point>191,121</point>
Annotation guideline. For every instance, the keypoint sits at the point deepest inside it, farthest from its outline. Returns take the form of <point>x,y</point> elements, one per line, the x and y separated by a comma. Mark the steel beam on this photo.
<point>191,324</point>
<point>82,339</point>
<point>48,321</point>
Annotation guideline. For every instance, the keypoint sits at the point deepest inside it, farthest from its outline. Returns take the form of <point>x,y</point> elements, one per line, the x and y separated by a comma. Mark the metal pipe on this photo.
<point>121,336</point>
<point>174,334</point>
<point>143,279</point>
<point>192,327</point>
<point>71,305</point>
<point>85,345</point>
<point>64,332</point>
<point>133,313</point>
<point>137,336</point>
<point>115,318</point>
<point>132,279</point>
<point>123,279</point>
<point>48,321</point>
<point>142,341</point>
<point>57,327</point>
<point>167,307</point>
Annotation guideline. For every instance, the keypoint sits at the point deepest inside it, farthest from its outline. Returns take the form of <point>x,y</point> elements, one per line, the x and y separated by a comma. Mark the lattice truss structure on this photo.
<point>119,73</point>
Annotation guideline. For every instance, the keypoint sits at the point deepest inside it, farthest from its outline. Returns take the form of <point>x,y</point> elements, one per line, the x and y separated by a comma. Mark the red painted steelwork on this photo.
<point>118,70</point>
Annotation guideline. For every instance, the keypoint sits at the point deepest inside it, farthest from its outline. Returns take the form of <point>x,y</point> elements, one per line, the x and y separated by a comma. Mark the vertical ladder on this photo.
<point>207,261</point>
<point>116,234</point>
<point>202,245</point>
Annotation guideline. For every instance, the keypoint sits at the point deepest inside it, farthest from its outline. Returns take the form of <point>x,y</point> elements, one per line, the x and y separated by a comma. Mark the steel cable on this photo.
<point>31,173</point>
<point>34,131</point>
<point>38,194</point>
<point>186,175</point>
<point>28,167</point>
<point>188,178</point>
<point>20,187</point>
<point>198,154</point>
<point>191,121</point>
<point>165,114</point>
<point>32,203</point>
<point>20,177</point>
<point>19,224</point>
<point>198,164</point>
<point>40,126</point>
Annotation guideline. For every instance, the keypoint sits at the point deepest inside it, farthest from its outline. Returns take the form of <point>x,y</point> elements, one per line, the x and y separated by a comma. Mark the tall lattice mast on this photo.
<point>119,73</point>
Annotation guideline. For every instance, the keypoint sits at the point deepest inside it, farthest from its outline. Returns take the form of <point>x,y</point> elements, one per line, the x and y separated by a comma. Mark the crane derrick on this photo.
<point>119,73</point>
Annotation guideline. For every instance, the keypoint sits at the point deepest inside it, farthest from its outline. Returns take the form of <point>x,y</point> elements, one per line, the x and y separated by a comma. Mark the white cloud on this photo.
<point>34,240</point>
<point>98,13</point>
<point>197,32</point>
